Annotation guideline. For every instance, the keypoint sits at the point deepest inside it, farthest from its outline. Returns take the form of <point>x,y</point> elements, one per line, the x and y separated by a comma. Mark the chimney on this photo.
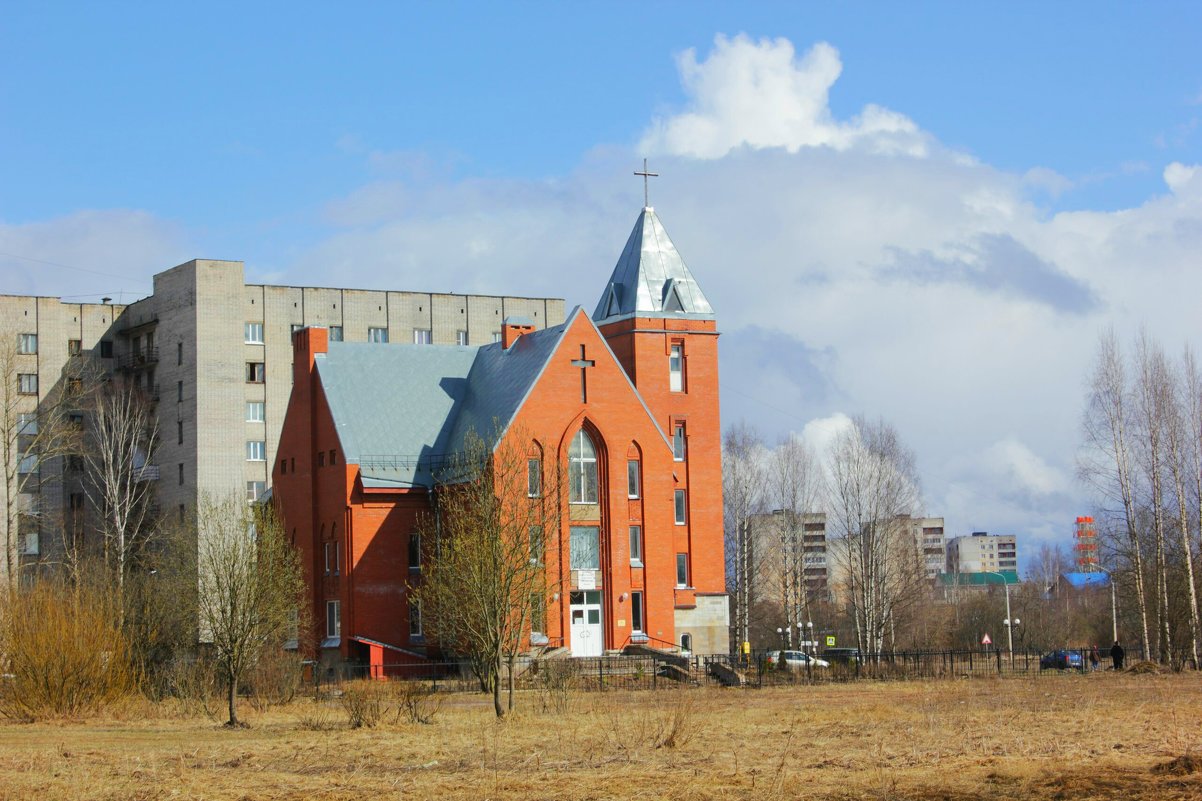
<point>514,327</point>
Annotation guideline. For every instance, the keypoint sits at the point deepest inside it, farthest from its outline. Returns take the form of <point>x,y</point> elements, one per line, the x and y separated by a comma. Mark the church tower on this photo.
<point>662,329</point>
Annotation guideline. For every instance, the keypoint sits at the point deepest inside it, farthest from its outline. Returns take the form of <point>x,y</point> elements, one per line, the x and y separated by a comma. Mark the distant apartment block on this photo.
<point>982,552</point>
<point>214,354</point>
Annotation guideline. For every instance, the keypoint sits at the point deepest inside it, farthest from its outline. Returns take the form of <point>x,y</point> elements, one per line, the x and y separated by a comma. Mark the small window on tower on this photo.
<point>676,369</point>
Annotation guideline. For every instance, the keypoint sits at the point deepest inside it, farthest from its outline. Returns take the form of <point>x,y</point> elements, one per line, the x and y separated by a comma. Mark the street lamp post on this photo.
<point>1009,621</point>
<point>1114,609</point>
<point>805,632</point>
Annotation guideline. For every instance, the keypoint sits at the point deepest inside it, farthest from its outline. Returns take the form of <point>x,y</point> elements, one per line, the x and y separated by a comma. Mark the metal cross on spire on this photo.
<point>646,175</point>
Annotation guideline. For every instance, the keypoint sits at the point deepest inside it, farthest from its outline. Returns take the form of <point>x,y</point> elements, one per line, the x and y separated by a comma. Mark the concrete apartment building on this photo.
<point>982,552</point>
<point>216,354</point>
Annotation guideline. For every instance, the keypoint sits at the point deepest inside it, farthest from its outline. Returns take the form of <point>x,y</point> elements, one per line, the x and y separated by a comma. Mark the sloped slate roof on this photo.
<point>401,411</point>
<point>651,279</point>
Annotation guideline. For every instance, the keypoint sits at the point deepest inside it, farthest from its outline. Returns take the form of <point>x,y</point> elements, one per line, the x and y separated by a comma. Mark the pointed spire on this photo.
<point>651,279</point>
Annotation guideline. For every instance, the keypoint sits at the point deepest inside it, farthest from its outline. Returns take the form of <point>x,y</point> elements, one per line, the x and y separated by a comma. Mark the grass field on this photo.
<point>1099,736</point>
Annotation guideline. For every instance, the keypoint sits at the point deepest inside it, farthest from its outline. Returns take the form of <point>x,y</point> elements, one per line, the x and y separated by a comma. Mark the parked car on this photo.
<point>795,660</point>
<point>842,656</point>
<point>1061,660</point>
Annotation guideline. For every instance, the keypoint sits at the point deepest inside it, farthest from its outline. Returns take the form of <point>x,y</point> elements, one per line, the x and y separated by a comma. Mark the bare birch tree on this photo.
<point>1151,399</point>
<point>484,582</point>
<point>743,480</point>
<point>793,485</point>
<point>873,490</point>
<point>1107,463</point>
<point>1178,439</point>
<point>122,436</point>
<point>251,588</point>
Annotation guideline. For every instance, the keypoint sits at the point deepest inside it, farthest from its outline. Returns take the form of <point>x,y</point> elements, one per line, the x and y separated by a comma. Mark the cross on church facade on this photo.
<point>583,364</point>
<point>646,175</point>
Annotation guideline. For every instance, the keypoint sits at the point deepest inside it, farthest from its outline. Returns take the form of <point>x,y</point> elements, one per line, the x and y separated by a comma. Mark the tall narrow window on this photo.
<point>681,505</point>
<point>27,383</point>
<point>534,478</point>
<point>461,337</point>
<point>179,391</point>
<point>676,369</point>
<point>415,551</point>
<point>179,432</point>
<point>106,348</point>
<point>632,478</point>
<point>181,474</point>
<point>254,334</point>
<point>335,333</point>
<point>636,612</point>
<point>179,353</point>
<point>422,336</point>
<point>333,619</point>
<point>415,618</point>
<point>682,570</point>
<point>538,614</point>
<point>256,373</point>
<point>636,545</point>
<point>327,550</point>
<point>255,490</point>
<point>536,544</point>
<point>255,411</point>
<point>74,347</point>
<point>582,469</point>
<point>256,450</point>
<point>27,343</point>
<point>377,334</point>
<point>678,442</point>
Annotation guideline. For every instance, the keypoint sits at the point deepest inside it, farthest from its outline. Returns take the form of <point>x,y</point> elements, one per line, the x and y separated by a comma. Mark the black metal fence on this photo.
<point>651,672</point>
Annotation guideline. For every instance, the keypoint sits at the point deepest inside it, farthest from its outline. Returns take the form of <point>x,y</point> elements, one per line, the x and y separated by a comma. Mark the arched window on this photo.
<point>582,469</point>
<point>686,643</point>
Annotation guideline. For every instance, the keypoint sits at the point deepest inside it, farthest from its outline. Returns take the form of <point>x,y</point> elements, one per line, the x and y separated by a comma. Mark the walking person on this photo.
<point>1094,659</point>
<point>1116,654</point>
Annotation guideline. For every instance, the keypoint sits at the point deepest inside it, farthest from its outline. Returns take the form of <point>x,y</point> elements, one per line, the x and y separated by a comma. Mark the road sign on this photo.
<point>830,641</point>
<point>986,641</point>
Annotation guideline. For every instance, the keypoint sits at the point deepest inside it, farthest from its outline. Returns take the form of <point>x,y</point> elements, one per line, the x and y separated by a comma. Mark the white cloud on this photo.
<point>1182,179</point>
<point>760,95</point>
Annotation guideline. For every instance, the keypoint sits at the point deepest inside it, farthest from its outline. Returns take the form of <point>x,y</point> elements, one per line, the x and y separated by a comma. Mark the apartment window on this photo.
<point>254,334</point>
<point>75,420</point>
<point>27,424</point>
<point>333,457</point>
<point>179,391</point>
<point>256,450</point>
<point>179,353</point>
<point>255,490</point>
<point>30,545</point>
<point>534,478</point>
<point>415,551</point>
<point>297,327</point>
<point>536,544</point>
<point>496,336</point>
<point>181,473</point>
<point>682,570</point>
<point>636,545</point>
<point>680,507</point>
<point>106,349</point>
<point>422,336</point>
<point>538,614</point>
<point>582,469</point>
<point>27,383</point>
<point>28,463</point>
<point>636,612</point>
<point>255,372</point>
<point>676,369</point>
<point>335,333</point>
<point>255,411</point>
<point>415,618</point>
<point>678,442</point>
<point>584,548</point>
<point>74,347</point>
<point>377,335</point>
<point>321,458</point>
<point>179,432</point>
<point>27,343</point>
<point>632,478</point>
<point>74,387</point>
<point>333,619</point>
<point>283,467</point>
<point>461,337</point>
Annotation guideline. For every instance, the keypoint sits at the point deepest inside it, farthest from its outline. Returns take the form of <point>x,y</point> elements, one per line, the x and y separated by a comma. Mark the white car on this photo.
<point>796,660</point>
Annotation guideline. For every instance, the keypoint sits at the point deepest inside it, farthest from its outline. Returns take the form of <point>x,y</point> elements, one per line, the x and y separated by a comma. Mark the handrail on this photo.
<point>646,638</point>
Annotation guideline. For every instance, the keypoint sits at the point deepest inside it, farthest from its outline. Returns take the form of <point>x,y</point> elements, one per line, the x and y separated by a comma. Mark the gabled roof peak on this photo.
<point>651,279</point>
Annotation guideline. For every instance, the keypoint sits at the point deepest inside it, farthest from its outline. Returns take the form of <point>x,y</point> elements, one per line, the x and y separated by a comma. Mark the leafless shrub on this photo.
<point>416,701</point>
<point>669,721</point>
<point>194,685</point>
<point>317,716</point>
<point>276,678</point>
<point>64,654</point>
<point>557,682</point>
<point>365,703</point>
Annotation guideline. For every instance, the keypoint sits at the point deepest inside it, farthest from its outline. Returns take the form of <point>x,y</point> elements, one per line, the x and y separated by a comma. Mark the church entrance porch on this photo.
<point>587,634</point>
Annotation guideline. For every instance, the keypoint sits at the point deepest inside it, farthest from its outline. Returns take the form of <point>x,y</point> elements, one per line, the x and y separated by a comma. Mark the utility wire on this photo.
<point>67,266</point>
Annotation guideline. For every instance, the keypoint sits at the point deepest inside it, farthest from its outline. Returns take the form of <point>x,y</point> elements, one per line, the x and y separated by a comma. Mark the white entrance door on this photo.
<point>584,608</point>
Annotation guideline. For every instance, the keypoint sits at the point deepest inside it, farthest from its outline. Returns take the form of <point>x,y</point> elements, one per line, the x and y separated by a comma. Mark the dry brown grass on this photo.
<point>1058,737</point>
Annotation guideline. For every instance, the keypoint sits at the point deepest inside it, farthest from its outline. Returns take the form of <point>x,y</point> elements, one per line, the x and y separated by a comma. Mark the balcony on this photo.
<point>139,360</point>
<point>147,472</point>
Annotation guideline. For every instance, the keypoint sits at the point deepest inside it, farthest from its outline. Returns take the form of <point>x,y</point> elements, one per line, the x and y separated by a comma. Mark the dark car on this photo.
<point>1061,660</point>
<point>842,656</point>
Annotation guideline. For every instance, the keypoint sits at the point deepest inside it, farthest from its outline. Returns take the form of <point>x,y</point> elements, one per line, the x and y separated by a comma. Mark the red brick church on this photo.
<point>624,401</point>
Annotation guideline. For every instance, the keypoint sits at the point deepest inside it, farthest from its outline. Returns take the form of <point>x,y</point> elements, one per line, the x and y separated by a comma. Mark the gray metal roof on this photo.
<point>651,279</point>
<point>393,406</point>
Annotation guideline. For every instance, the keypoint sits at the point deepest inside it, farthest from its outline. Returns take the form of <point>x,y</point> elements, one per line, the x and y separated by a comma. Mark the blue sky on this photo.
<point>925,212</point>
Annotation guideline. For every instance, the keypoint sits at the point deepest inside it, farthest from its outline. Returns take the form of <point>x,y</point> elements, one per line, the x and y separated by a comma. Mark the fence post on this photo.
<point>600,673</point>
<point>654,674</point>
<point>998,651</point>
